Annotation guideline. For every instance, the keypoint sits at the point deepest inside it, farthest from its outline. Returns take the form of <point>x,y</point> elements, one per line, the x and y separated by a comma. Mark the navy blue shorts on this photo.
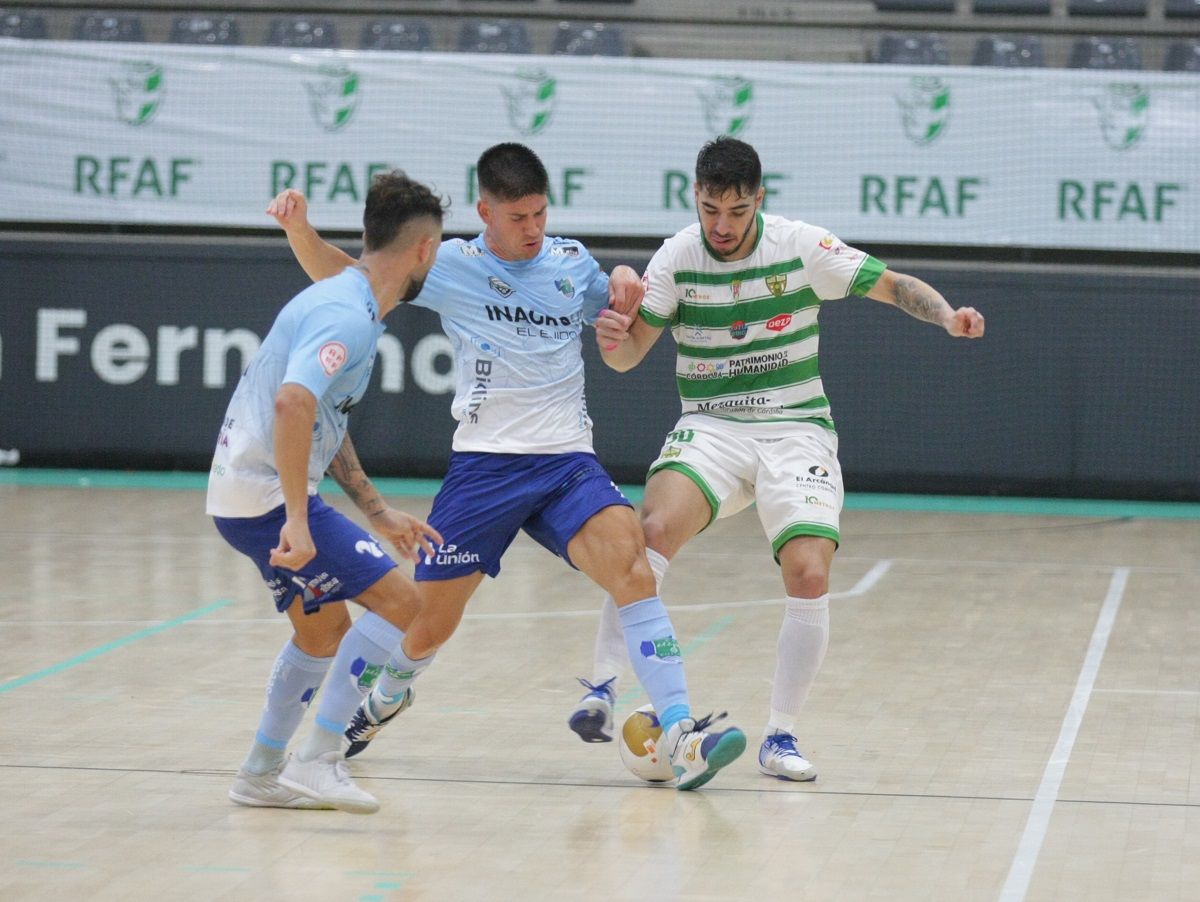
<point>348,560</point>
<point>486,498</point>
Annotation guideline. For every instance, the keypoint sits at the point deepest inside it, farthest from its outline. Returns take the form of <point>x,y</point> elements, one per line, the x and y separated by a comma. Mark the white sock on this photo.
<point>803,638</point>
<point>610,655</point>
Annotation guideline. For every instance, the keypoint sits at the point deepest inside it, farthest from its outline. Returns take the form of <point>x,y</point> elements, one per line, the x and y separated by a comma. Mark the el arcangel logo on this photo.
<point>925,109</point>
<point>1124,111</point>
<point>530,100</point>
<point>728,102</point>
<point>138,91</point>
<point>333,96</point>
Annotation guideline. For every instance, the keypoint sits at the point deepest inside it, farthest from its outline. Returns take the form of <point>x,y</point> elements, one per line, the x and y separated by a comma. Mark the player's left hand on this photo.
<point>967,322</point>
<point>408,535</point>
<point>625,290</point>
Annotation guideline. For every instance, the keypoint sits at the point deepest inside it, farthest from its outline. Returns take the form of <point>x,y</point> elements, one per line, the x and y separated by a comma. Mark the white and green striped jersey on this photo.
<point>747,329</point>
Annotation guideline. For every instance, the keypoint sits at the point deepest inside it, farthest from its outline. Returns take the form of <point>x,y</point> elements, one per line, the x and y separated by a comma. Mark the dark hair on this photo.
<point>725,164</point>
<point>393,201</point>
<point>511,171</point>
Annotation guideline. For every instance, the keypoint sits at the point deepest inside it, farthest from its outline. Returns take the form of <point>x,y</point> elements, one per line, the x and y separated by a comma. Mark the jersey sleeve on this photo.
<point>836,270</point>
<point>595,294</point>
<point>326,341</point>
<point>660,303</point>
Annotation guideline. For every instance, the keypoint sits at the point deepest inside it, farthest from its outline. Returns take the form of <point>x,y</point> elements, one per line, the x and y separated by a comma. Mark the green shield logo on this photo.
<point>530,100</point>
<point>333,96</point>
<point>138,91</point>
<point>1124,111</point>
<point>728,103</point>
<point>925,109</point>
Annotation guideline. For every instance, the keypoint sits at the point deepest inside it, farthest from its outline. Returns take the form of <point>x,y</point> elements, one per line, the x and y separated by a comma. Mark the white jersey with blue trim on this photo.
<point>516,326</point>
<point>324,339</point>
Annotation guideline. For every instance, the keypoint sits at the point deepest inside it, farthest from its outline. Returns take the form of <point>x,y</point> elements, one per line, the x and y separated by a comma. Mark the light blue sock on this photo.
<point>356,666</point>
<point>657,661</point>
<point>293,685</point>
<point>398,674</point>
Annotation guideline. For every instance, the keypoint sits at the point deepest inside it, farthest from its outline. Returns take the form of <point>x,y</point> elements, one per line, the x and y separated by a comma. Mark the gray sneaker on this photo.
<point>326,779</point>
<point>265,791</point>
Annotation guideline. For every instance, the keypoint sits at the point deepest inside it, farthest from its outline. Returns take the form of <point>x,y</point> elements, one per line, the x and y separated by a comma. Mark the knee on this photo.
<point>657,534</point>
<point>806,579</point>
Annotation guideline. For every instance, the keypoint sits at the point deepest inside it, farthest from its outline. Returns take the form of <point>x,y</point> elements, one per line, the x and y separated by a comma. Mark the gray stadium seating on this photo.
<point>915,6</point>
<point>1105,53</point>
<point>201,29</point>
<point>582,39</point>
<point>1012,7</point>
<point>301,31</point>
<point>913,49</point>
<point>1020,51</point>
<point>1183,56</point>
<point>1182,9</point>
<point>396,34</point>
<point>1107,7</point>
<point>108,27</point>
<point>493,36</point>
<point>18,24</point>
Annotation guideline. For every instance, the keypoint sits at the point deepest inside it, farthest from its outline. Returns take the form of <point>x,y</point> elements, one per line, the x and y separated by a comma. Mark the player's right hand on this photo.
<point>295,548</point>
<point>290,209</point>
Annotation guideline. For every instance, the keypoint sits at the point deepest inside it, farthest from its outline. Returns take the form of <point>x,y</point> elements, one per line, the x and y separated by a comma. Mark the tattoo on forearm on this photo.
<point>919,300</point>
<point>348,473</point>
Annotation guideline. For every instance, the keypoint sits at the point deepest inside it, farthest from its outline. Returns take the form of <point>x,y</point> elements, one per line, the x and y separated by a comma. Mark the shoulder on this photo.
<point>682,249</point>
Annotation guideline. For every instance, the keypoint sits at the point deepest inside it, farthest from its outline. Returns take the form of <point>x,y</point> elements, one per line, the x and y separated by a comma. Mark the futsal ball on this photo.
<point>639,747</point>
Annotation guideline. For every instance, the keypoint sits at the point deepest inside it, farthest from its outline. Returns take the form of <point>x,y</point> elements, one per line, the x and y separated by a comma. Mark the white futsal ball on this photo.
<point>639,747</point>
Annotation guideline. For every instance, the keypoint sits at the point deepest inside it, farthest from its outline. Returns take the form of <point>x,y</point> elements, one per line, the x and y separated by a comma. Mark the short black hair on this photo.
<point>511,171</point>
<point>393,201</point>
<point>725,164</point>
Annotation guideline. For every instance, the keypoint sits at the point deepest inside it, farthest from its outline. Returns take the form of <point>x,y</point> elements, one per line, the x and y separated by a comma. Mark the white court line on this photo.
<point>862,587</point>
<point>1021,872</point>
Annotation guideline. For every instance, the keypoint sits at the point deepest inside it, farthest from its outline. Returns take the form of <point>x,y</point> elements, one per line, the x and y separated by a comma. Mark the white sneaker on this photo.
<point>696,755</point>
<point>778,757</point>
<point>326,779</point>
<point>265,791</point>
<point>592,718</point>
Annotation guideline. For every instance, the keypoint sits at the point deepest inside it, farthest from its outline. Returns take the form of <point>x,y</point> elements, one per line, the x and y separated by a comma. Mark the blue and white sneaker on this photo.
<point>778,757</point>
<point>365,723</point>
<point>592,719</point>
<point>697,755</point>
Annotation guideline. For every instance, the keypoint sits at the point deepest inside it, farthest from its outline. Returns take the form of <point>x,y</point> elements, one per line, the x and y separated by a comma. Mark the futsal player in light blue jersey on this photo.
<point>515,302</point>
<point>284,428</point>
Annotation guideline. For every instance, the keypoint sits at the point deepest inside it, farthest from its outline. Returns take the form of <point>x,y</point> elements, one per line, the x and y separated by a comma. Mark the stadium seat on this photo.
<point>1105,53</point>
<point>1182,9</point>
<point>1183,56</point>
<point>1019,52</point>
<point>17,24</point>
<point>396,34</point>
<point>582,39</point>
<point>493,36</point>
<point>300,31</point>
<point>915,6</point>
<point>201,29</point>
<point>1012,7</point>
<point>108,27</point>
<point>1106,7</point>
<point>913,49</point>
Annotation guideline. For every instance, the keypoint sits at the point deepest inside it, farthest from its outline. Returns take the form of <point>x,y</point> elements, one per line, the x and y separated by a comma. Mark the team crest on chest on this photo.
<point>564,285</point>
<point>777,283</point>
<point>499,286</point>
<point>736,287</point>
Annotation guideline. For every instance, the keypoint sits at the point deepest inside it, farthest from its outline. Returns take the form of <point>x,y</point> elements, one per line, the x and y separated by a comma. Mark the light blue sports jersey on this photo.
<point>516,328</point>
<point>324,339</point>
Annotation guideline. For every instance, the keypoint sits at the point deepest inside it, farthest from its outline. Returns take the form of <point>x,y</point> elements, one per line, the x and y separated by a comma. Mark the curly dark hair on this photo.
<point>393,201</point>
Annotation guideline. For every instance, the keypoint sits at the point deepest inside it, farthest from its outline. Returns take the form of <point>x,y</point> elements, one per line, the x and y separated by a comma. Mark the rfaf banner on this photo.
<point>162,134</point>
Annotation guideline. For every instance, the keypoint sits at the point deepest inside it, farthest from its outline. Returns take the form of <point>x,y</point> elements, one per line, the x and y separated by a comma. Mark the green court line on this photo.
<point>17,682</point>
<point>427,488</point>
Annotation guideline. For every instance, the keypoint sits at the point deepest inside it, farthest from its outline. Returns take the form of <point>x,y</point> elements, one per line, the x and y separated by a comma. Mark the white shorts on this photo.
<point>790,469</point>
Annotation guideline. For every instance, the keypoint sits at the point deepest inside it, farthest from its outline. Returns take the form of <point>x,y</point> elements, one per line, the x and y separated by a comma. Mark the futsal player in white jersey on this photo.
<point>514,302</point>
<point>284,427</point>
<point>740,291</point>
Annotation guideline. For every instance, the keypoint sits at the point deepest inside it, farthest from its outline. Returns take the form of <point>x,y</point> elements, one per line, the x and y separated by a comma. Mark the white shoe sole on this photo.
<point>802,776</point>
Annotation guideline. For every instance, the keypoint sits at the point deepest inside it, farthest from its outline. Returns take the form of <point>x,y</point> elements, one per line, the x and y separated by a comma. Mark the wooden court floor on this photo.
<point>1010,709</point>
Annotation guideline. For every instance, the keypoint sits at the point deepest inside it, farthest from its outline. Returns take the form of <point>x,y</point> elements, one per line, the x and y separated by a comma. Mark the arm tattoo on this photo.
<point>348,472</point>
<point>919,300</point>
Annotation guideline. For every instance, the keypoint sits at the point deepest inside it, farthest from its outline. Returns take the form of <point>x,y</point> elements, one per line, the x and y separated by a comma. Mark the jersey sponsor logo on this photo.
<point>671,451</point>
<point>818,470</point>
<point>814,501</point>
<point>450,554</point>
<point>479,389</point>
<point>564,250</point>
<point>368,546</point>
<point>698,336</point>
<point>332,356</point>
<point>497,313</point>
<point>365,675</point>
<point>777,283</point>
<point>826,243</point>
<point>564,285</point>
<point>490,348</point>
<point>470,250</point>
<point>755,403</point>
<point>666,647</point>
<point>499,286</point>
<point>738,329</point>
<point>779,323</point>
